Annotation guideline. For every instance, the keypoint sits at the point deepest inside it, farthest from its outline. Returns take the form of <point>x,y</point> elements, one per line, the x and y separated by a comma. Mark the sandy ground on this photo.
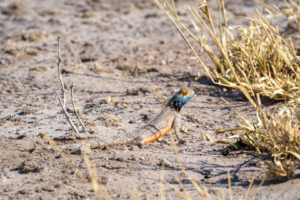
<point>123,50</point>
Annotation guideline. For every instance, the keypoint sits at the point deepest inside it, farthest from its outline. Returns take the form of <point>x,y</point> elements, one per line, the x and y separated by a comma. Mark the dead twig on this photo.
<point>63,102</point>
<point>59,71</point>
<point>76,112</point>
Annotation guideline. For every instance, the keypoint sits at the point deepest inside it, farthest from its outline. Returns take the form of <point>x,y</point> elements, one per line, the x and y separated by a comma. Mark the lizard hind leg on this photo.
<point>176,126</point>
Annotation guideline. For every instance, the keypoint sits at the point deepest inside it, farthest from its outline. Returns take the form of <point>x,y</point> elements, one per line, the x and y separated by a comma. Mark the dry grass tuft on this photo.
<point>39,69</point>
<point>259,59</point>
<point>11,118</point>
<point>258,62</point>
<point>29,110</point>
<point>27,166</point>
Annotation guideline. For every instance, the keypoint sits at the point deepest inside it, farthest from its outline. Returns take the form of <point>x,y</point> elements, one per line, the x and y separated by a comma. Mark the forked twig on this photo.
<point>76,112</point>
<point>63,102</point>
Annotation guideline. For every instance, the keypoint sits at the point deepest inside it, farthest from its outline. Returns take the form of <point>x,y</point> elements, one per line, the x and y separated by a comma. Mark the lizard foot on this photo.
<point>162,141</point>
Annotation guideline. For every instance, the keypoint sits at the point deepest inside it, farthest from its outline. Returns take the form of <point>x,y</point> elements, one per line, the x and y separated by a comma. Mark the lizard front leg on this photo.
<point>176,126</point>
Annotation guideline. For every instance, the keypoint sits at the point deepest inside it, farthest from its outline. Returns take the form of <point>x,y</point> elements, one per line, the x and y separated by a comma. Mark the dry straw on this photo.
<point>259,61</point>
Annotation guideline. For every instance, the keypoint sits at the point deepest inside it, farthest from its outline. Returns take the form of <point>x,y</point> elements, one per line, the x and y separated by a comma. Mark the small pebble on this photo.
<point>82,149</point>
<point>24,191</point>
<point>166,162</point>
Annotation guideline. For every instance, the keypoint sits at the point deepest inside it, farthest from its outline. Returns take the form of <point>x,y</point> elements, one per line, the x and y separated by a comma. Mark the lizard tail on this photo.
<point>97,143</point>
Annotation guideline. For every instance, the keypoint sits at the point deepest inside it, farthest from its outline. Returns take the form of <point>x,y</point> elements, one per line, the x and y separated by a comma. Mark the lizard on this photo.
<point>165,120</point>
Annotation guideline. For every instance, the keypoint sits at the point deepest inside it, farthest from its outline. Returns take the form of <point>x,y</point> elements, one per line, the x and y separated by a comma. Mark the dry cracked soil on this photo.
<point>117,53</point>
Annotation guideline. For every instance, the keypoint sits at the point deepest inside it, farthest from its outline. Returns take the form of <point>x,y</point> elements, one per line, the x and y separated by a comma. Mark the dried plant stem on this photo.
<point>229,185</point>
<point>63,106</point>
<point>259,187</point>
<point>59,71</point>
<point>249,189</point>
<point>161,186</point>
<point>63,102</point>
<point>220,21</point>
<point>92,173</point>
<point>76,112</point>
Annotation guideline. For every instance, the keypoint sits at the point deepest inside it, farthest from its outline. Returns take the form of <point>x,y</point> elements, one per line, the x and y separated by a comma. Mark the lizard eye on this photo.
<point>184,92</point>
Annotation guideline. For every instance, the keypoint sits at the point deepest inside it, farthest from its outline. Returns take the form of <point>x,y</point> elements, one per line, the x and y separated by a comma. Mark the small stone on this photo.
<point>58,185</point>
<point>121,159</point>
<point>186,181</point>
<point>38,190</point>
<point>83,149</point>
<point>27,166</point>
<point>124,148</point>
<point>132,157</point>
<point>182,175</point>
<point>207,173</point>
<point>113,151</point>
<point>166,163</point>
<point>134,148</point>
<point>103,180</point>
<point>24,191</point>
<point>48,189</point>
<point>2,62</point>
<point>68,181</point>
<point>225,152</point>
<point>151,58</point>
<point>208,176</point>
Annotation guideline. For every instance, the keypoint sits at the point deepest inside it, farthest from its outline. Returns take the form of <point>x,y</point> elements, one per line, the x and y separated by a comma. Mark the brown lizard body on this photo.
<point>161,124</point>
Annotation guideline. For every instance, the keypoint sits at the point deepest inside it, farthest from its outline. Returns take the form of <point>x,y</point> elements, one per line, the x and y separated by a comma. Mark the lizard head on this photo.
<point>181,98</point>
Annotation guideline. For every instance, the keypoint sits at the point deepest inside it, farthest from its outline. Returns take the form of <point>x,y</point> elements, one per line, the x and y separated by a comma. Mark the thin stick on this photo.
<point>76,112</point>
<point>63,102</point>
<point>262,182</point>
<point>63,106</point>
<point>249,189</point>
<point>229,185</point>
<point>220,21</point>
<point>59,72</point>
<point>161,186</point>
<point>92,173</point>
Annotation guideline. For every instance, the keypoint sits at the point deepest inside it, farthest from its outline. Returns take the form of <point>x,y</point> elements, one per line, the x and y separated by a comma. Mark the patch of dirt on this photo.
<point>117,53</point>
